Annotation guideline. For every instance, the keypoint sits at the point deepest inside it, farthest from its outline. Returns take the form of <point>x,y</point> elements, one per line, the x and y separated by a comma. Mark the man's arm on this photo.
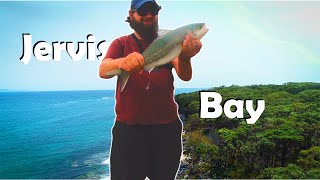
<point>183,68</point>
<point>182,63</point>
<point>107,65</point>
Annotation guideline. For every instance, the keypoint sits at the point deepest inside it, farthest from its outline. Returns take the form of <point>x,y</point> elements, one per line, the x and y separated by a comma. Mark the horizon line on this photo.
<point>57,90</point>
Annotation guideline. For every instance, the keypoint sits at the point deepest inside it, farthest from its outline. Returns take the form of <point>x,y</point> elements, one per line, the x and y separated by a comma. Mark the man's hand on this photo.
<point>132,62</point>
<point>190,47</point>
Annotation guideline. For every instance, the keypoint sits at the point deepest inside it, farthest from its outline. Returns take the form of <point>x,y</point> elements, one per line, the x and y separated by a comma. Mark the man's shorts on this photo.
<point>140,151</point>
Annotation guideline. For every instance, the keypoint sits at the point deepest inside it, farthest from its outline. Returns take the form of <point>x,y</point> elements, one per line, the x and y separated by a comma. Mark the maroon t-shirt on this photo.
<point>148,97</point>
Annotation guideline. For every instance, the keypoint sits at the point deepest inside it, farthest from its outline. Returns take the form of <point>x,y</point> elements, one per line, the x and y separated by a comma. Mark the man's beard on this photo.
<point>148,33</point>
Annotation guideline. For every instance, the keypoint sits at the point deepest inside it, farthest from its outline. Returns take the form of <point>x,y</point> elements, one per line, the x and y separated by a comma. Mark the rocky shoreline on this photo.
<point>184,165</point>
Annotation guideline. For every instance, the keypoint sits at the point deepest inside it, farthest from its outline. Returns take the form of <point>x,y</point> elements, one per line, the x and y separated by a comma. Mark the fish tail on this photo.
<point>123,78</point>
<point>115,72</point>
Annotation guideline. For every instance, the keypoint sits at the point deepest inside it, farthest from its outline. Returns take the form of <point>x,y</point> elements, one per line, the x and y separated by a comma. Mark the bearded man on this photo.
<point>146,136</point>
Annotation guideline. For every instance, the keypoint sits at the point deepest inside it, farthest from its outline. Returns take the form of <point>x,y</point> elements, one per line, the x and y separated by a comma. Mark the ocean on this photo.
<point>57,134</point>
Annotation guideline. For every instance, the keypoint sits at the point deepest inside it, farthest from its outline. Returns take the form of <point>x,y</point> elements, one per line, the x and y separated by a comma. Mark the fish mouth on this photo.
<point>205,29</point>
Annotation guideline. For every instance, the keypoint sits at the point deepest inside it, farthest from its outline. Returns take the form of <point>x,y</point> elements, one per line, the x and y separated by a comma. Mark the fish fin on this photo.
<point>162,32</point>
<point>114,72</point>
<point>149,69</point>
<point>123,78</point>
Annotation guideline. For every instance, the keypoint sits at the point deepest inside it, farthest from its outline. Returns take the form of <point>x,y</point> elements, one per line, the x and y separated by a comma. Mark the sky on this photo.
<point>248,42</point>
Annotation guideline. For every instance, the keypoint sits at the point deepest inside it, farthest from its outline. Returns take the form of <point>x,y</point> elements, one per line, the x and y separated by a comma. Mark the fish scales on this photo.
<point>159,48</point>
<point>158,53</point>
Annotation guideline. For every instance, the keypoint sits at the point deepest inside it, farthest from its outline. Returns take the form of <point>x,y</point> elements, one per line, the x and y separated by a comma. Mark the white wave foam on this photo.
<point>106,98</point>
<point>75,164</point>
<point>106,161</point>
<point>97,159</point>
<point>105,177</point>
<point>65,103</point>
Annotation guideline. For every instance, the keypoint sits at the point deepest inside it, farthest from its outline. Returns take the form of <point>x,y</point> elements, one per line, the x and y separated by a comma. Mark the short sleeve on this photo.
<point>115,50</point>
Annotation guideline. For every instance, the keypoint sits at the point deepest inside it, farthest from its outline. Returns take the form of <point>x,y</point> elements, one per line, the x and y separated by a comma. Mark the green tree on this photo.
<point>291,171</point>
<point>310,158</point>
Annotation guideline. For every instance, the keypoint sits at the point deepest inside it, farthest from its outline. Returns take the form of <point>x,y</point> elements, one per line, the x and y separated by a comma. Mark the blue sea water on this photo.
<point>56,134</point>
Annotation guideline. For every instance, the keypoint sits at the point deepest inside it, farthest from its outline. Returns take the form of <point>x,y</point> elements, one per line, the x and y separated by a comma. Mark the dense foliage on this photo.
<point>284,143</point>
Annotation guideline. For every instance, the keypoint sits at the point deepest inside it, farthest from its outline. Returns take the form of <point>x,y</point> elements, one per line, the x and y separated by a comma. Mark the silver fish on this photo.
<point>163,49</point>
